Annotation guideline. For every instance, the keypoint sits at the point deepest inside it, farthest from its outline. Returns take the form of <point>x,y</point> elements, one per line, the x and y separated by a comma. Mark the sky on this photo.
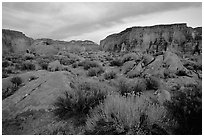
<point>94,21</point>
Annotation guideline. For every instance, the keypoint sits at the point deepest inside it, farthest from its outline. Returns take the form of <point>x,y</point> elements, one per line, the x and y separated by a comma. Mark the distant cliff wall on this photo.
<point>157,37</point>
<point>14,41</point>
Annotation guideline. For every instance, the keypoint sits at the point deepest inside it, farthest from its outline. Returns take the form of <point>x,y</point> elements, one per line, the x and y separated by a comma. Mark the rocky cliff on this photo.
<point>160,37</point>
<point>14,41</point>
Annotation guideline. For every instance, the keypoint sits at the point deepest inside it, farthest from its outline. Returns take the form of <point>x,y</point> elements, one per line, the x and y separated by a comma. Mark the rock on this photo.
<point>136,71</point>
<point>173,63</point>
<point>155,68</point>
<point>147,58</point>
<point>127,66</point>
<point>14,42</point>
<point>38,94</point>
<point>55,66</point>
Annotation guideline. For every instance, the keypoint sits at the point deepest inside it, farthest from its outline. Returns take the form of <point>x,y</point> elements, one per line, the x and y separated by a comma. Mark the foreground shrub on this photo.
<point>96,71</point>
<point>110,75</point>
<point>127,115</point>
<point>80,100</point>
<point>186,108</point>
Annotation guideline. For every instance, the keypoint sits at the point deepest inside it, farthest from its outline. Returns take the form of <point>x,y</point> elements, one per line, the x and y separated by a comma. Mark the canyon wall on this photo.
<point>14,41</point>
<point>160,37</point>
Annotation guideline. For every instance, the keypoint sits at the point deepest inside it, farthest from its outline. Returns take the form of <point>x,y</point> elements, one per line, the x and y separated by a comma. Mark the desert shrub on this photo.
<point>80,100</point>
<point>9,91</point>
<point>110,75</point>
<point>152,83</point>
<point>4,75</point>
<point>125,87</point>
<point>186,108</point>
<point>67,61</point>
<point>16,81</point>
<point>129,57</point>
<point>96,71</point>
<point>116,62</point>
<point>127,115</point>
<point>75,65</point>
<point>7,70</point>
<point>43,63</point>
<point>87,64</point>
<point>5,64</point>
<point>27,66</point>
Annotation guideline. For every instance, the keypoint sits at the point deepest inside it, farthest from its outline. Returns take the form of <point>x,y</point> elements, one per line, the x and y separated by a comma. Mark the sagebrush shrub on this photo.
<point>96,71</point>
<point>110,75</point>
<point>127,115</point>
<point>5,64</point>
<point>27,66</point>
<point>80,100</point>
<point>16,81</point>
<point>152,83</point>
<point>9,91</point>
<point>125,87</point>
<point>186,108</point>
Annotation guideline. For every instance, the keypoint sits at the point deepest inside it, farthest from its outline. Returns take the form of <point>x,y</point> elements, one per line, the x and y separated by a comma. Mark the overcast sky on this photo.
<point>93,21</point>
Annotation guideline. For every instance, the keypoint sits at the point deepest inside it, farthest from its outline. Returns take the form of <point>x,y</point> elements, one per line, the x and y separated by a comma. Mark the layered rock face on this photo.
<point>52,47</point>
<point>160,37</point>
<point>14,41</point>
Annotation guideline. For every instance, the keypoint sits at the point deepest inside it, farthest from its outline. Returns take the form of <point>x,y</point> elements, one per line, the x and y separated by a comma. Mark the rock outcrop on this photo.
<point>178,37</point>
<point>14,41</point>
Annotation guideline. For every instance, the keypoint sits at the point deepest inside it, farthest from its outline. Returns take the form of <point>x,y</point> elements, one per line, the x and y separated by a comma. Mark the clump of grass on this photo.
<point>127,115</point>
<point>80,99</point>
<point>110,75</point>
<point>96,71</point>
<point>125,87</point>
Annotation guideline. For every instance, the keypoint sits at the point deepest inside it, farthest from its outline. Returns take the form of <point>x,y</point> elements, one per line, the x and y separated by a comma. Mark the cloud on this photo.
<point>72,20</point>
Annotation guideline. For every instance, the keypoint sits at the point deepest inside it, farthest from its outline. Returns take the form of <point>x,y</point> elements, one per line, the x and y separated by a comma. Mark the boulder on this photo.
<point>127,66</point>
<point>155,68</point>
<point>147,58</point>
<point>173,63</point>
<point>136,71</point>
